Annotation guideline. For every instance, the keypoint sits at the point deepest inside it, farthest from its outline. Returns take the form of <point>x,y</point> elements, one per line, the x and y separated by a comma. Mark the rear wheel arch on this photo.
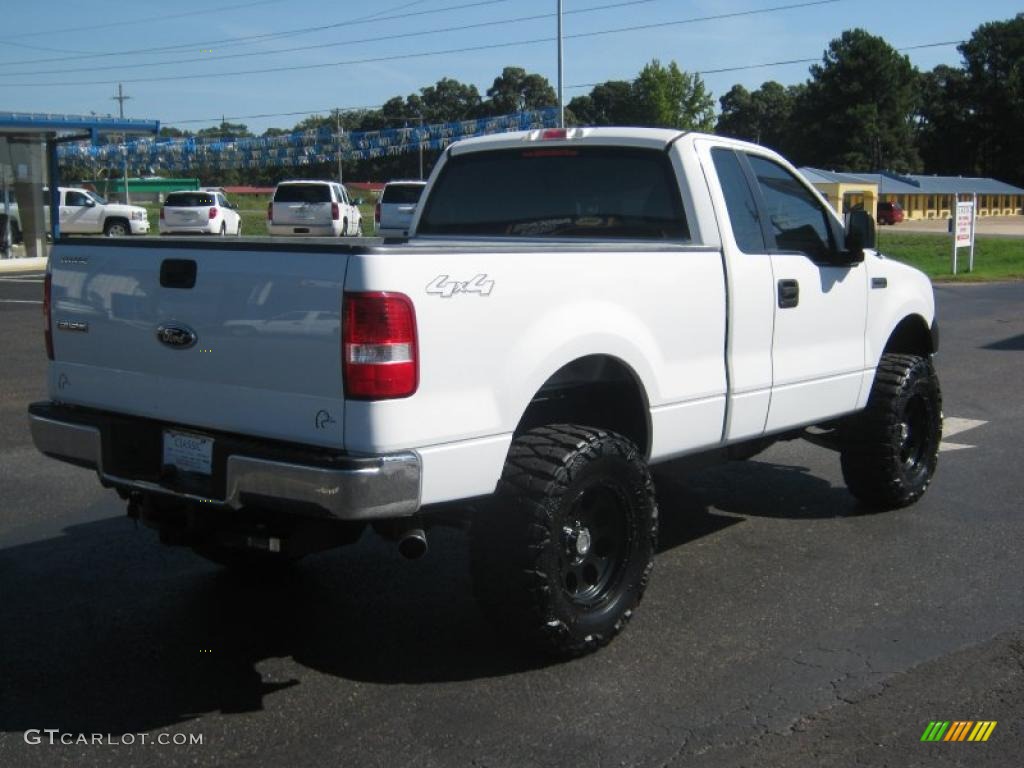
<point>600,391</point>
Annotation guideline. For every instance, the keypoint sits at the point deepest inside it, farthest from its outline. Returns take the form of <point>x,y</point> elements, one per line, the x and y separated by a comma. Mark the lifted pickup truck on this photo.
<point>573,307</point>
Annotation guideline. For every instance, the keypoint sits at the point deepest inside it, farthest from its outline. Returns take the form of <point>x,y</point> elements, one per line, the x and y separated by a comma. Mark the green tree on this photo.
<point>671,98</point>
<point>609,103</point>
<point>946,137</point>
<point>763,116</point>
<point>515,90</point>
<point>994,71</point>
<point>858,110</point>
<point>448,101</point>
<point>226,130</point>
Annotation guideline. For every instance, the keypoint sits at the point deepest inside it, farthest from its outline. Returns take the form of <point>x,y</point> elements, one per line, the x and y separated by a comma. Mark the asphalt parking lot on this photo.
<point>784,625</point>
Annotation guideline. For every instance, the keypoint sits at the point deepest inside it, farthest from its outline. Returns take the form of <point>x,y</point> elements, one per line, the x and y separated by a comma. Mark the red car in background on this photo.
<point>889,213</point>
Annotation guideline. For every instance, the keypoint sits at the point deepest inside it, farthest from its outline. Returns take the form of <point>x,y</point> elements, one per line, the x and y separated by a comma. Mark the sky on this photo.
<point>190,63</point>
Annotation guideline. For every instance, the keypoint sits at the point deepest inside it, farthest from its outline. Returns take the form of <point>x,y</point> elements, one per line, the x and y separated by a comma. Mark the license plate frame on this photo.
<point>188,452</point>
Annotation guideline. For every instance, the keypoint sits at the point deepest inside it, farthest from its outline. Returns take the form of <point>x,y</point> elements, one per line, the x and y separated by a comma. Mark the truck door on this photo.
<point>820,304</point>
<point>77,212</point>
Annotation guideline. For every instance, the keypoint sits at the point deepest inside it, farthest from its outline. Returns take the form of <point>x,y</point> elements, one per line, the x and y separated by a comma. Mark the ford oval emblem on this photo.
<point>177,336</point>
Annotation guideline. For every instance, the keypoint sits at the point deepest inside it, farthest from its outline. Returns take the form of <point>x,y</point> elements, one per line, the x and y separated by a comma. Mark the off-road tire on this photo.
<point>890,450</point>
<point>525,579</point>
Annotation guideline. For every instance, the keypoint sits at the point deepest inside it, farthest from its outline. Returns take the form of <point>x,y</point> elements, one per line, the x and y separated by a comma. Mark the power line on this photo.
<point>147,20</point>
<point>763,65</point>
<point>424,54</point>
<point>224,42</point>
<point>398,36</point>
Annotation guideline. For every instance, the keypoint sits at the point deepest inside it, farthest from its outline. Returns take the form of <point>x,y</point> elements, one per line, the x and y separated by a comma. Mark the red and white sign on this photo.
<point>963,232</point>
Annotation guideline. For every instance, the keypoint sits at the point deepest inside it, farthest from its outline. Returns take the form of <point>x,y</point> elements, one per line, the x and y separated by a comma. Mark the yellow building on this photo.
<point>920,197</point>
<point>844,190</point>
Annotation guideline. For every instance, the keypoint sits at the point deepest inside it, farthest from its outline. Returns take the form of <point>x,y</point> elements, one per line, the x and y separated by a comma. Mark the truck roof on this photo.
<point>637,137</point>
<point>651,138</point>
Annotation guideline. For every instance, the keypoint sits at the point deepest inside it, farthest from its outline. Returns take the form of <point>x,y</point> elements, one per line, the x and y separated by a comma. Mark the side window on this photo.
<point>739,200</point>
<point>794,214</point>
<point>75,199</point>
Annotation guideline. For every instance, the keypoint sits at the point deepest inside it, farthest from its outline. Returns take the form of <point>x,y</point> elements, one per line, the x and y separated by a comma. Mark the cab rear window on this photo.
<point>303,193</point>
<point>563,191</point>
<point>188,200</point>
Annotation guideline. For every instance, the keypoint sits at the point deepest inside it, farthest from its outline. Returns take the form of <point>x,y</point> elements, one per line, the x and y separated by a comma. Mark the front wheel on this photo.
<point>116,229</point>
<point>890,450</point>
<point>562,556</point>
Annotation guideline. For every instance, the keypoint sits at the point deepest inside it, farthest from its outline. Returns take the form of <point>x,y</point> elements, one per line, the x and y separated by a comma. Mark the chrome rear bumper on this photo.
<point>363,488</point>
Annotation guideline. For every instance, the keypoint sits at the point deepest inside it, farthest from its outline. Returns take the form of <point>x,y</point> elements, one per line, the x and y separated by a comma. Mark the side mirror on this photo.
<point>90,203</point>
<point>860,234</point>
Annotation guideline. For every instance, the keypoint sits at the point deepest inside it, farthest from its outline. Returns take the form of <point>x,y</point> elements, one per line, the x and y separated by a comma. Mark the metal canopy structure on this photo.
<point>84,126</point>
<point>51,130</point>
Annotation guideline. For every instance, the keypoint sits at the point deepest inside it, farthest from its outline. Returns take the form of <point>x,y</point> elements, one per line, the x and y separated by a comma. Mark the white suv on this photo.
<point>199,213</point>
<point>397,206</point>
<point>313,209</point>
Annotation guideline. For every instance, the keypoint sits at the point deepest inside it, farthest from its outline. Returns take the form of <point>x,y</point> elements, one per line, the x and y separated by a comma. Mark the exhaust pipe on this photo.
<point>412,545</point>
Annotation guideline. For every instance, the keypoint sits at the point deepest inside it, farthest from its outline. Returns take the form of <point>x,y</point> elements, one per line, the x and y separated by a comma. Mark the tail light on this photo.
<point>335,211</point>
<point>161,213</point>
<point>379,348</point>
<point>376,214</point>
<point>270,211</point>
<point>47,330</point>
<point>213,214</point>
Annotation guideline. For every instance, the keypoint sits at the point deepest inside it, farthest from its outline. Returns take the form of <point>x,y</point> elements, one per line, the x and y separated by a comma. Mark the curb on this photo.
<point>8,266</point>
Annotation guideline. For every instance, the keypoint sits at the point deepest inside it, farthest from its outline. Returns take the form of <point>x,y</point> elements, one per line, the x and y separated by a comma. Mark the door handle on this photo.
<point>789,294</point>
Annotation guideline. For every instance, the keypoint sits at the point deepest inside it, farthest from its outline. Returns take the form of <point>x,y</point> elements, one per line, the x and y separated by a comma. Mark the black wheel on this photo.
<point>15,233</point>
<point>890,450</point>
<point>359,229</point>
<point>223,228</point>
<point>344,228</point>
<point>562,556</point>
<point>116,228</point>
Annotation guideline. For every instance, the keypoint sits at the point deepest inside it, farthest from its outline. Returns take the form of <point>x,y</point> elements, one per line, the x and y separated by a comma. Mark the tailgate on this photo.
<point>396,215</point>
<point>303,214</point>
<point>265,359</point>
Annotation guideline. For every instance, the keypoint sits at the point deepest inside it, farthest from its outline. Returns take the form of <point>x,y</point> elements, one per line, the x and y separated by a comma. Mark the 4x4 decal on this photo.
<point>445,288</point>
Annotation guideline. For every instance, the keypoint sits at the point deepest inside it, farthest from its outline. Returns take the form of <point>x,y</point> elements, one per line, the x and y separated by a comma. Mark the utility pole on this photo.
<point>121,99</point>
<point>420,142</point>
<point>337,136</point>
<point>561,101</point>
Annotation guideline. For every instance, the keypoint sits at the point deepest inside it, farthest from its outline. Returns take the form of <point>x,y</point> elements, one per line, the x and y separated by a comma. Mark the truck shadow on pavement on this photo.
<point>105,631</point>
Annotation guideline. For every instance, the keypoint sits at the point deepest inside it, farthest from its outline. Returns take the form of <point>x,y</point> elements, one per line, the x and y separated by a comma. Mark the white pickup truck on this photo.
<point>83,212</point>
<point>572,307</point>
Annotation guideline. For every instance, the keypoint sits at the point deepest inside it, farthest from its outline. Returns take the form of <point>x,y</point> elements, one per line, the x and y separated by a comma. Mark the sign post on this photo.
<point>963,230</point>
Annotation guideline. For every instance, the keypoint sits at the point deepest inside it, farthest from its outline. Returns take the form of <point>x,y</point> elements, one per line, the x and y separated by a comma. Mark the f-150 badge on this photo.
<point>446,288</point>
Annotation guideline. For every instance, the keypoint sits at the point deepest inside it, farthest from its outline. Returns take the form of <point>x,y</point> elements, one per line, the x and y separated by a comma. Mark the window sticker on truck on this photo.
<point>445,288</point>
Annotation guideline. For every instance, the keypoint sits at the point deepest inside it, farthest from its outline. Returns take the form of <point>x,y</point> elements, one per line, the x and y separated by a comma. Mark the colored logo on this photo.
<point>958,730</point>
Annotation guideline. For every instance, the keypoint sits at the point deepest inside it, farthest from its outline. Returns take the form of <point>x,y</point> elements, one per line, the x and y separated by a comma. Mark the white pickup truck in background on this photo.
<point>83,212</point>
<point>572,307</point>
